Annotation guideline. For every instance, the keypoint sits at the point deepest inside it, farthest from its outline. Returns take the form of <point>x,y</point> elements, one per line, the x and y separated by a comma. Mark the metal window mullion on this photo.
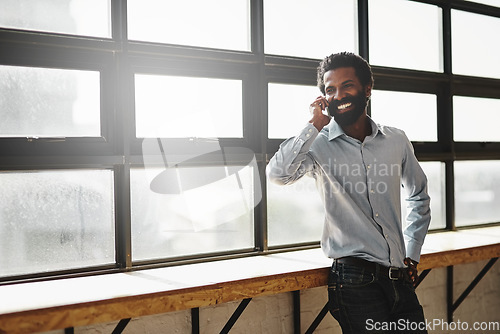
<point>445,119</point>
<point>363,30</point>
<point>119,20</point>
<point>256,114</point>
<point>450,195</point>
<point>122,217</point>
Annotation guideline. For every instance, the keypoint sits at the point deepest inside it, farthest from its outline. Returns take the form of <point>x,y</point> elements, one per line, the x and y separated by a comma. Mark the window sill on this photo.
<point>57,304</point>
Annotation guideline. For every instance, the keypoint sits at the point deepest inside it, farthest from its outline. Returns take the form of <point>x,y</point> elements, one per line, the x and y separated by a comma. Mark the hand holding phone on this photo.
<point>319,119</point>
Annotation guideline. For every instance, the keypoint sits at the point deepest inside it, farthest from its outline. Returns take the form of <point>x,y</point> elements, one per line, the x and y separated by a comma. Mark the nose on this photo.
<point>339,95</point>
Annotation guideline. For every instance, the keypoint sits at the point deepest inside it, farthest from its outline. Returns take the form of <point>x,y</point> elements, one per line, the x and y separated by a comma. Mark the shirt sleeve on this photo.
<point>418,204</point>
<point>292,160</point>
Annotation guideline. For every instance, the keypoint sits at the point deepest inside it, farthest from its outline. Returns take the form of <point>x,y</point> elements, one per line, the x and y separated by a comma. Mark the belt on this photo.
<point>393,273</point>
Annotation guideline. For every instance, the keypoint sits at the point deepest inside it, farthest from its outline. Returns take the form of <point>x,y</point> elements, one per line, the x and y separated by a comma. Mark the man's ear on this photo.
<point>368,91</point>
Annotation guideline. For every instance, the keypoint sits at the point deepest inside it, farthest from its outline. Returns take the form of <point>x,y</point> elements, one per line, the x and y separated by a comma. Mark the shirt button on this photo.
<point>376,215</point>
<point>294,152</point>
<point>372,191</point>
<point>369,166</point>
<point>308,135</point>
<point>387,235</point>
<point>310,130</point>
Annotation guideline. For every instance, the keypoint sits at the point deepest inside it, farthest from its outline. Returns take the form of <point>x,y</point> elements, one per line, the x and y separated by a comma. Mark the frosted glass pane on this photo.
<point>180,107</point>
<point>495,3</point>
<point>222,24</point>
<point>45,102</point>
<point>56,220</point>
<point>476,119</point>
<point>76,17</point>
<point>414,113</point>
<point>311,29</point>
<point>295,212</point>
<point>477,192</point>
<point>211,217</point>
<point>405,34</point>
<point>471,36</point>
<point>288,108</point>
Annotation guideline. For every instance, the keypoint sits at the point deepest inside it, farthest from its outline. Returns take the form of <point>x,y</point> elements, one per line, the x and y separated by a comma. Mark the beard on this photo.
<point>359,103</point>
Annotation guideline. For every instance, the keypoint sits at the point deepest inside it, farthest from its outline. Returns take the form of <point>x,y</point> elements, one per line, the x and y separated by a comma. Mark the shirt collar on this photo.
<point>335,130</point>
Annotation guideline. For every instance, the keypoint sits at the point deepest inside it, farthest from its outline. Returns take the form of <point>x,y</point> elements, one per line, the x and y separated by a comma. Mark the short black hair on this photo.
<point>345,59</point>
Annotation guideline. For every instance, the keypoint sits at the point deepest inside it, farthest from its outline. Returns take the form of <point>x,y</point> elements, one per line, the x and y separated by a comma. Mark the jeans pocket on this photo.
<point>355,277</point>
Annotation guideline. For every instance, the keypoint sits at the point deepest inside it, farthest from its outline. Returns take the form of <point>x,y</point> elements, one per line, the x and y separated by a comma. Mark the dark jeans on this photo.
<point>364,303</point>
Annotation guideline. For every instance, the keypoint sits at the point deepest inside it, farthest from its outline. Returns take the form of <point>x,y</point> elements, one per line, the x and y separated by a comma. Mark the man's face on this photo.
<point>346,96</point>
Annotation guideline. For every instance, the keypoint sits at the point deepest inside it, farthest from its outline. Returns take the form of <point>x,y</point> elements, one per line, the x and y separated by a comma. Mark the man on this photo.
<point>359,168</point>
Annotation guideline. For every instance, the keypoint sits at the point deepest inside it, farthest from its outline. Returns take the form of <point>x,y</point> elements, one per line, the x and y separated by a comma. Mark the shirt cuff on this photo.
<point>413,250</point>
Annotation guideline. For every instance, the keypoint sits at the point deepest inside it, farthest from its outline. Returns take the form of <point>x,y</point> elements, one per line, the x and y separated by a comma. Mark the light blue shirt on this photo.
<point>360,185</point>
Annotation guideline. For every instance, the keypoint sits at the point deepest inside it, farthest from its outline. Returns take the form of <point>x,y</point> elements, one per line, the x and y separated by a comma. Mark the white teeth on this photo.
<point>343,106</point>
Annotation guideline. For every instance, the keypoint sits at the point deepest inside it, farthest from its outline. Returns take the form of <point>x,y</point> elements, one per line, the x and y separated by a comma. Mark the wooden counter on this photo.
<point>58,304</point>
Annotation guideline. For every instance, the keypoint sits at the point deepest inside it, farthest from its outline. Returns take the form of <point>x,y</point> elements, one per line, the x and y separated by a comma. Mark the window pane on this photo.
<point>411,38</point>
<point>476,119</point>
<point>495,3</point>
<point>223,24</point>
<point>56,220</point>
<point>288,108</point>
<point>43,102</point>
<point>207,217</point>
<point>477,192</point>
<point>302,29</point>
<point>295,212</point>
<point>165,106</point>
<point>414,113</point>
<point>435,175</point>
<point>471,36</point>
<point>77,17</point>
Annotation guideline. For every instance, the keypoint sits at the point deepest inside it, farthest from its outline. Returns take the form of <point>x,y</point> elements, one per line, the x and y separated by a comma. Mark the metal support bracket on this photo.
<point>239,310</point>
<point>195,320</point>
<point>452,306</point>
<point>121,326</point>
<point>318,319</point>
<point>296,311</point>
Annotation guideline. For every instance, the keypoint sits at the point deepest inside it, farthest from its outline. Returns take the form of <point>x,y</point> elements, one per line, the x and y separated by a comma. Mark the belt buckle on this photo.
<point>391,269</point>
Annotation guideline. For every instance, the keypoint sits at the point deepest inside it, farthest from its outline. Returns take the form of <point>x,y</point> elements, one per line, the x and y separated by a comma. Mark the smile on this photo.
<point>344,106</point>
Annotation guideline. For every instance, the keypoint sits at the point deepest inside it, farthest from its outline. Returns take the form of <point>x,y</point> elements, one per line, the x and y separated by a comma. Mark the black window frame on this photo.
<point>118,59</point>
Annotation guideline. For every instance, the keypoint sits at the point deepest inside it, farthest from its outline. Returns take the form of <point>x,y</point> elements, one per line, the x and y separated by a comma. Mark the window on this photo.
<point>56,220</point>
<point>136,133</point>
<point>191,22</point>
<point>46,102</point>
<point>288,107</point>
<point>411,38</point>
<point>295,213</point>
<point>474,119</point>
<point>171,106</point>
<point>467,31</point>
<point>414,113</point>
<point>488,2</point>
<point>299,28</point>
<point>77,17</point>
<point>206,217</point>
<point>477,193</point>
